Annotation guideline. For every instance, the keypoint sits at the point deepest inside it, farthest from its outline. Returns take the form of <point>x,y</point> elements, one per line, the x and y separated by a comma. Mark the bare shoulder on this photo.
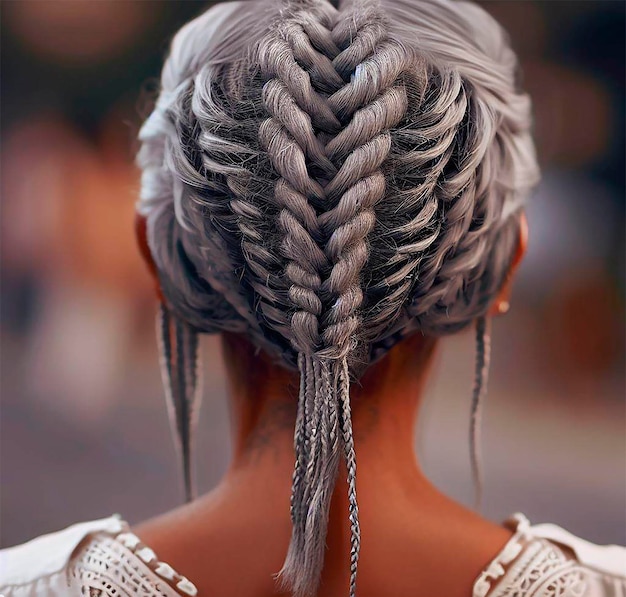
<point>212,540</point>
<point>447,550</point>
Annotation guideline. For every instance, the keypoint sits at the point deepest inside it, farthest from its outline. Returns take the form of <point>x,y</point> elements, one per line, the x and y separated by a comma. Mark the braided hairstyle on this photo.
<point>327,180</point>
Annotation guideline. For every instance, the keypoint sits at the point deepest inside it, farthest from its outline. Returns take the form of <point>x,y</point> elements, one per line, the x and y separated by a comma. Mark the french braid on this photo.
<point>327,180</point>
<point>319,104</point>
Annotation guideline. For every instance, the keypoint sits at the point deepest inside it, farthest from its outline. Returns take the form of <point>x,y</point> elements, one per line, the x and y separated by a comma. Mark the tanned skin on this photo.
<point>416,542</point>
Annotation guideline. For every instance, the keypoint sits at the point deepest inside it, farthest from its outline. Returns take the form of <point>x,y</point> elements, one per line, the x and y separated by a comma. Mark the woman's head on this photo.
<point>327,180</point>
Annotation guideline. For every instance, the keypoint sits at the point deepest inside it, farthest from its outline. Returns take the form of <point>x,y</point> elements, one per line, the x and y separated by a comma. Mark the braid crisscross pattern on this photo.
<point>339,187</point>
<point>322,91</point>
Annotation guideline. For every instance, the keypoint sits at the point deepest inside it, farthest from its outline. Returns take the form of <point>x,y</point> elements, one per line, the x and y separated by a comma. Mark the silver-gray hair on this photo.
<point>327,180</point>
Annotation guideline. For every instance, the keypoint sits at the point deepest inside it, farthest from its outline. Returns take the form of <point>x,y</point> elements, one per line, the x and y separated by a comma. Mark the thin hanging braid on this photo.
<point>483,357</point>
<point>348,442</point>
<point>179,370</point>
<point>328,178</point>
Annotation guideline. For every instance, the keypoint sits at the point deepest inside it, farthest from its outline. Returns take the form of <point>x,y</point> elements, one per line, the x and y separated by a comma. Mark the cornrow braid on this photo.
<point>328,178</point>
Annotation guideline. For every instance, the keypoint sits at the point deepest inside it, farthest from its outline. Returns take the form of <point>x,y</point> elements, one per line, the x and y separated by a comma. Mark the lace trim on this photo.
<point>512,549</point>
<point>530,567</point>
<point>165,571</point>
<point>116,565</point>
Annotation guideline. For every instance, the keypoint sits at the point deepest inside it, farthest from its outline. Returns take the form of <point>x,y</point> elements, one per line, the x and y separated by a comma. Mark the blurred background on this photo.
<point>84,431</point>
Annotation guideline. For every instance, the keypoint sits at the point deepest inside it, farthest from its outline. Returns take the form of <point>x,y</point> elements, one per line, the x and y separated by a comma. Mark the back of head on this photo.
<point>328,180</point>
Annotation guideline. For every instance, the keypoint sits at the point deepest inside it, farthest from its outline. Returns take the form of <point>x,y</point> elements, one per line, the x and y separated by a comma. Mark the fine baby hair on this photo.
<point>326,179</point>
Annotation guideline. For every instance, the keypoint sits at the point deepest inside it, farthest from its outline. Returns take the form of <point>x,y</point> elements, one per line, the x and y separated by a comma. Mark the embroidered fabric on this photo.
<point>95,559</point>
<point>531,565</point>
<point>105,567</point>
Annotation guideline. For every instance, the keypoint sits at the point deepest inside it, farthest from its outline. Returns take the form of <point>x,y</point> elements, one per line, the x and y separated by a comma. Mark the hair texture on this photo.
<point>327,180</point>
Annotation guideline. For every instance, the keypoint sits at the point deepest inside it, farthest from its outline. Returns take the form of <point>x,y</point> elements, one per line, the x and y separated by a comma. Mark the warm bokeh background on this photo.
<point>84,431</point>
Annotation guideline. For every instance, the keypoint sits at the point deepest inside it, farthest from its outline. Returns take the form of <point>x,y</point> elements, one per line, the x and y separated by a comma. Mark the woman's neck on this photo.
<point>384,410</point>
<point>409,528</point>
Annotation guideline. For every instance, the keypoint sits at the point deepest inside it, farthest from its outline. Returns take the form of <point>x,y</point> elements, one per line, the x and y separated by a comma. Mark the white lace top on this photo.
<point>546,561</point>
<point>103,559</point>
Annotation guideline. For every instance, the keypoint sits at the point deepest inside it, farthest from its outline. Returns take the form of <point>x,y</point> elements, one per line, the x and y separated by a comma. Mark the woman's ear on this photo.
<point>141,234</point>
<point>502,303</point>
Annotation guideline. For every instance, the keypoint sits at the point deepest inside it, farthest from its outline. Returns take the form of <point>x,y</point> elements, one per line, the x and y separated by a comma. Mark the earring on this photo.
<point>503,307</point>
